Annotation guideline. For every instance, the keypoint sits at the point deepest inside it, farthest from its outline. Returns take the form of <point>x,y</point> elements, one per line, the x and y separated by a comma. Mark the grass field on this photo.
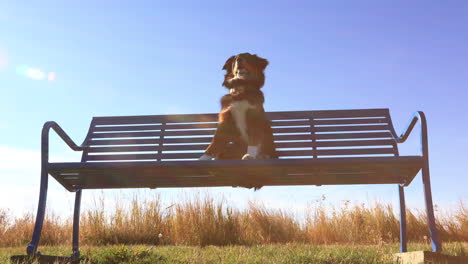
<point>206,230</point>
<point>206,221</point>
<point>286,253</point>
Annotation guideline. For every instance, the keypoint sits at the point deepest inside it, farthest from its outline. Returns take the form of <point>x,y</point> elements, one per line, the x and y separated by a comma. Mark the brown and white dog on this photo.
<point>243,131</point>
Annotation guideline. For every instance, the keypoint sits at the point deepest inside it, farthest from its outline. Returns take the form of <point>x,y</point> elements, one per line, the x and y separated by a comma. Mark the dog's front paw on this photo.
<point>252,153</point>
<point>248,157</point>
<point>205,157</point>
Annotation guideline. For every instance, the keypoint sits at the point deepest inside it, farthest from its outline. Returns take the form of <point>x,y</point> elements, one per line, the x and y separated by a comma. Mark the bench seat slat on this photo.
<point>143,131</point>
<point>289,123</point>
<point>122,157</point>
<point>187,133</point>
<point>96,181</point>
<point>149,141</point>
<point>125,149</point>
<point>321,122</point>
<point>355,143</point>
<point>135,141</point>
<point>340,170</point>
<point>300,137</point>
<point>328,114</point>
<point>192,155</point>
<point>219,173</point>
<point>284,153</point>
<point>155,147</point>
<point>174,119</point>
<point>153,134</point>
<point>366,151</point>
<point>155,119</point>
<point>155,127</point>
<point>351,128</point>
<point>279,145</point>
<point>354,135</point>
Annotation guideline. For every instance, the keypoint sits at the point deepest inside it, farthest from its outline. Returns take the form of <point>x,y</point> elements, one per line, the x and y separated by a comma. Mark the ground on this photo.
<point>284,253</point>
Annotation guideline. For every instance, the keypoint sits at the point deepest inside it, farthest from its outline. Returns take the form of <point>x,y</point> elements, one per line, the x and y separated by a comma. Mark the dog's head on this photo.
<point>244,69</point>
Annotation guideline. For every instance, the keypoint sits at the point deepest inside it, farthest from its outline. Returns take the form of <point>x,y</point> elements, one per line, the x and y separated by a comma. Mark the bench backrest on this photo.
<point>299,134</point>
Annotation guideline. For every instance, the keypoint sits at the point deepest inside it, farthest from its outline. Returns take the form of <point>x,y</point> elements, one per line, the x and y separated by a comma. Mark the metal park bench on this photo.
<point>315,148</point>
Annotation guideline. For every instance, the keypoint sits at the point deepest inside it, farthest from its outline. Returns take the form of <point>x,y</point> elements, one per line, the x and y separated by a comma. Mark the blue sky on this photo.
<point>144,57</point>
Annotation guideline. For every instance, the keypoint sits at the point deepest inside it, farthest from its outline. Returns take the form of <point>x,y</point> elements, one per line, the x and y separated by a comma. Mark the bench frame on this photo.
<point>417,117</point>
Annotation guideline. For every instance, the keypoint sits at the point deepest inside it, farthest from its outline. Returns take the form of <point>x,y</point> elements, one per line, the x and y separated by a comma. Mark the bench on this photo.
<point>315,148</point>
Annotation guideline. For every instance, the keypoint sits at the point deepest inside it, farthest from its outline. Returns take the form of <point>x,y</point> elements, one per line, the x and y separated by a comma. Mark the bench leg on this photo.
<point>436,245</point>
<point>32,247</point>
<point>76,226</point>
<point>403,238</point>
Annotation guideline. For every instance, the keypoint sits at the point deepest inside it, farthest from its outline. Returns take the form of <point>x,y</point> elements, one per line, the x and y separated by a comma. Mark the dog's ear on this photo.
<point>228,63</point>
<point>261,62</point>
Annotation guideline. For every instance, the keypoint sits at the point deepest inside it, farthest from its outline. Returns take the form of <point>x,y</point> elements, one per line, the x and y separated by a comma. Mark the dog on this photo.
<point>243,132</point>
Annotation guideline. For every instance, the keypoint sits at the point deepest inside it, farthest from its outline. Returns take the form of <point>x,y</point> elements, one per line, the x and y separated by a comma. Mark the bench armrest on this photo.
<point>417,116</point>
<point>45,139</point>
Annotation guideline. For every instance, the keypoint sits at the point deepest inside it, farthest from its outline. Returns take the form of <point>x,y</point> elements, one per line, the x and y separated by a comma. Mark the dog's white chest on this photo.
<point>239,112</point>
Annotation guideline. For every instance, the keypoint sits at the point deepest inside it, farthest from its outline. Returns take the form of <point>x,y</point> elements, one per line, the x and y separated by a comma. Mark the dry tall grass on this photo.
<point>206,221</point>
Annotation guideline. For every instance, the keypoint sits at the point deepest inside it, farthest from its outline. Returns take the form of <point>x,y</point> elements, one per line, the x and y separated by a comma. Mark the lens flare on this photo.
<point>35,73</point>
<point>51,77</point>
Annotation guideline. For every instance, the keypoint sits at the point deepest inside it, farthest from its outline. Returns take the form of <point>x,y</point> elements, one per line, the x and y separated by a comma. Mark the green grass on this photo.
<point>284,253</point>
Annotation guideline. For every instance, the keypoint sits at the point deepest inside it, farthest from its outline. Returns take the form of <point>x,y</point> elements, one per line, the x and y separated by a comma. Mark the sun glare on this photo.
<point>51,77</point>
<point>35,73</point>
